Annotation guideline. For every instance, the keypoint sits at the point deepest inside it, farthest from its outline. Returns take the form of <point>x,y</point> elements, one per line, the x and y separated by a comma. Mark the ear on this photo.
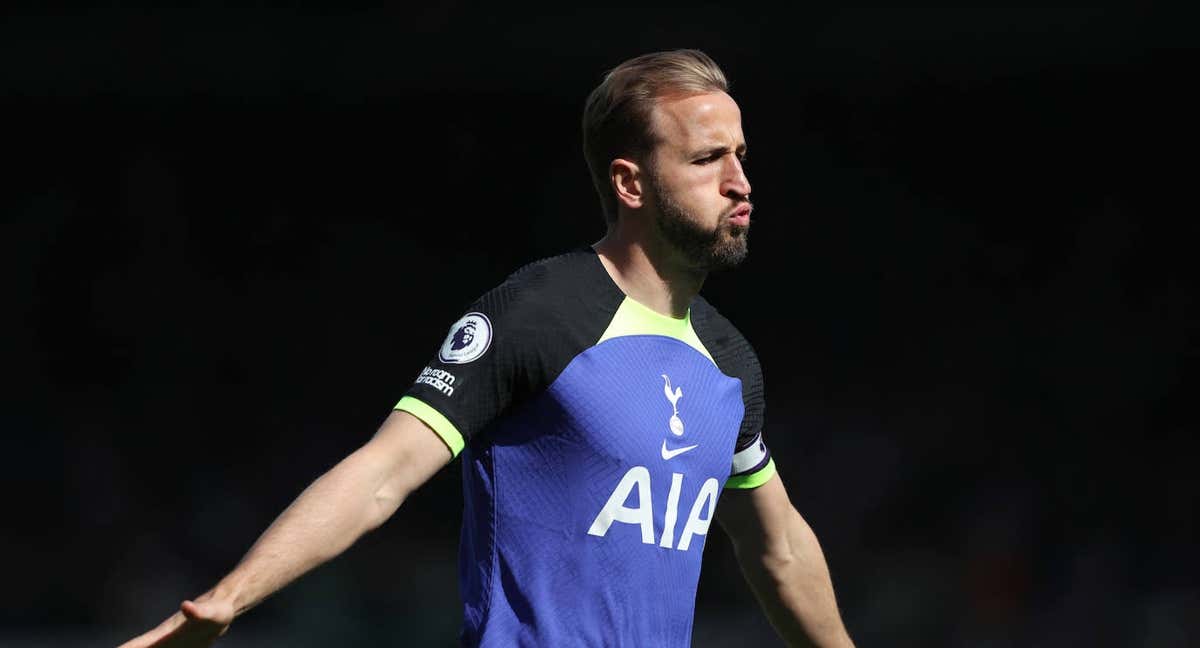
<point>627,184</point>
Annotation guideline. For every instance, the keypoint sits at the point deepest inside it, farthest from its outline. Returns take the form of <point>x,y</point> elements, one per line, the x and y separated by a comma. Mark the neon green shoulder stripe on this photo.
<point>754,479</point>
<point>434,419</point>
<point>633,318</point>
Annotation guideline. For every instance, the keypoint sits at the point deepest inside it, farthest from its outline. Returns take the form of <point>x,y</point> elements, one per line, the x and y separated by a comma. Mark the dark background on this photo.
<point>231,238</point>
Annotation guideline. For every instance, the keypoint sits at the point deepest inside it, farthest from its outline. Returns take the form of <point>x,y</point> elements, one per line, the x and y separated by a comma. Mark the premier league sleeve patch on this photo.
<point>469,338</point>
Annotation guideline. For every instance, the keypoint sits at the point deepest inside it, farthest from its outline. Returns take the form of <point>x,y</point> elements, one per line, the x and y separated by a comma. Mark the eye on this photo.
<point>709,159</point>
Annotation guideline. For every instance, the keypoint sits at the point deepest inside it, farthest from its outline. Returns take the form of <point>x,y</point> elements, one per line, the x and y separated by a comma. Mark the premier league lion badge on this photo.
<point>469,339</point>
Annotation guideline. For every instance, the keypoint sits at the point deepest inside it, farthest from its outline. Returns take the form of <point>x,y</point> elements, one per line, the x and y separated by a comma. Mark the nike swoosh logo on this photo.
<point>671,454</point>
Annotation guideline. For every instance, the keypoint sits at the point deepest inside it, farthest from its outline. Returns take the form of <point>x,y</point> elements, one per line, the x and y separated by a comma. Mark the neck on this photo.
<point>648,270</point>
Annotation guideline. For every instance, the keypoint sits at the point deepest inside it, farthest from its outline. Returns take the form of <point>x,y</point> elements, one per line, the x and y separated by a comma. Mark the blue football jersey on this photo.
<point>596,437</point>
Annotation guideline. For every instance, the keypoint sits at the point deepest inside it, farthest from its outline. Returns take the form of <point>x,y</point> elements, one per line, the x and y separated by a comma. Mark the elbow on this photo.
<point>780,560</point>
<point>386,500</point>
<point>384,483</point>
<point>785,552</point>
<point>769,560</point>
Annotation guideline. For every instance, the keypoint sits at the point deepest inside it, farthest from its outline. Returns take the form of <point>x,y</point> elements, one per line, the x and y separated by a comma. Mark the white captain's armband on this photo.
<point>752,465</point>
<point>750,457</point>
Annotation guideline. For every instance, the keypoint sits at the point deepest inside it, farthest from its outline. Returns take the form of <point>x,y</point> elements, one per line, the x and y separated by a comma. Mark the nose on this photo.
<point>735,184</point>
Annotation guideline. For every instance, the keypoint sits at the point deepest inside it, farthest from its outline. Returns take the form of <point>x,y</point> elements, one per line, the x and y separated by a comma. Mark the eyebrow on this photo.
<point>740,151</point>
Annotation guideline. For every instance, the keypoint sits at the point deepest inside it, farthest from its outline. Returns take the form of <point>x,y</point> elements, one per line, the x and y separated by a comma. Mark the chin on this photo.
<point>728,253</point>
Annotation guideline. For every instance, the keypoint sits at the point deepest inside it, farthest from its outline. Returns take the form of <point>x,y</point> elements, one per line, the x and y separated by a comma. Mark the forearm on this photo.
<point>357,495</point>
<point>351,499</point>
<point>791,580</point>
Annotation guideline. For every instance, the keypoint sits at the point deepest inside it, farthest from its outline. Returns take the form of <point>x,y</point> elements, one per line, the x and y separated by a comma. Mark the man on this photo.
<point>600,406</point>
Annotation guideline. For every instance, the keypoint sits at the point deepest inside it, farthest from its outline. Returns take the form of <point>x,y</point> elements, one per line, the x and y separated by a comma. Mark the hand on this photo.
<point>196,624</point>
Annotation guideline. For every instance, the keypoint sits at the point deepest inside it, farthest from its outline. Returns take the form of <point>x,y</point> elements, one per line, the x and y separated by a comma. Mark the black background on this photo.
<point>232,237</point>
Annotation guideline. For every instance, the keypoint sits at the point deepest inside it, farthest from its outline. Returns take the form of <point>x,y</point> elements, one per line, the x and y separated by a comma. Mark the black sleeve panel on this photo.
<point>734,357</point>
<point>540,318</point>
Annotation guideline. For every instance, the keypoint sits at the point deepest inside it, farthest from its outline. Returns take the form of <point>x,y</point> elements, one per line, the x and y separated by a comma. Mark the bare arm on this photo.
<point>784,564</point>
<point>354,497</point>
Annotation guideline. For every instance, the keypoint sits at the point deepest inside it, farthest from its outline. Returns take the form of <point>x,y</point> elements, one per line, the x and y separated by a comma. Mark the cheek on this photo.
<point>697,191</point>
<point>701,186</point>
<point>707,176</point>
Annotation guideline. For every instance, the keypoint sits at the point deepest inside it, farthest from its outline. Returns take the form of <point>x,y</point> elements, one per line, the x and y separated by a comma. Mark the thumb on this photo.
<point>191,610</point>
<point>207,611</point>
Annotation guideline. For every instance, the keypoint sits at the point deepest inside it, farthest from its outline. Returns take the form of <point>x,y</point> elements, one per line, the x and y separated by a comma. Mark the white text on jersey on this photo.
<point>439,379</point>
<point>639,477</point>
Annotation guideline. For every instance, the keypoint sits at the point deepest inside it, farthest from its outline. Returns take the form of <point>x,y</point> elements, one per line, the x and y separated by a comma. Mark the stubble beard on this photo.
<point>720,248</point>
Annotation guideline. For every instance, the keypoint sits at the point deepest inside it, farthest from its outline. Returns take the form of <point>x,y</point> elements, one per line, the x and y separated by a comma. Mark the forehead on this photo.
<point>698,121</point>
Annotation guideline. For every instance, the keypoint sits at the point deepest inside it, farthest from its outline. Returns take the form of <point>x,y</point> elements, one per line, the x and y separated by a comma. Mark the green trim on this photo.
<point>633,318</point>
<point>436,421</point>
<point>753,480</point>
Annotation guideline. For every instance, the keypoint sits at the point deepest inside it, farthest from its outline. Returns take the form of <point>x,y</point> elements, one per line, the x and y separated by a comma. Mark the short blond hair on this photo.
<point>616,117</point>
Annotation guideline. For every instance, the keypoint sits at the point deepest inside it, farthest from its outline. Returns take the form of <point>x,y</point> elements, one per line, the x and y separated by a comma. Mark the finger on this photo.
<point>148,638</point>
<point>140,641</point>
<point>205,622</point>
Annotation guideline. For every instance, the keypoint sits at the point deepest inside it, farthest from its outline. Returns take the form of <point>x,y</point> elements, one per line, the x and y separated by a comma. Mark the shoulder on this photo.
<point>569,287</point>
<point>704,313</point>
<point>734,357</point>
<point>715,329</point>
<point>730,349</point>
<point>547,278</point>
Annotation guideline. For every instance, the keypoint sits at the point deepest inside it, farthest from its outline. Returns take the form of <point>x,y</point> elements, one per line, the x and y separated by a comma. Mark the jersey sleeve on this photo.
<point>752,464</point>
<point>480,367</point>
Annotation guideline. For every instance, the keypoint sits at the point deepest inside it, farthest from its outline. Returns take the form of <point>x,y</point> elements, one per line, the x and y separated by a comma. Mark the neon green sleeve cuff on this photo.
<point>436,421</point>
<point>754,479</point>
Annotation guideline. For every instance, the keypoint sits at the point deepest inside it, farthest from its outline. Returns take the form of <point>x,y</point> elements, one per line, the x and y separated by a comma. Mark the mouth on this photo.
<point>741,216</point>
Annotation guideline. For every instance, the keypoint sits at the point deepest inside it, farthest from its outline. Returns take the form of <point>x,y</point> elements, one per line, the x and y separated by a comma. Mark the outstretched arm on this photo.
<point>784,564</point>
<point>354,497</point>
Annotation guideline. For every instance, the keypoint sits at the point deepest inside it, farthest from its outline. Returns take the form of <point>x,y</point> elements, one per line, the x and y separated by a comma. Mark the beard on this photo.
<point>720,248</point>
